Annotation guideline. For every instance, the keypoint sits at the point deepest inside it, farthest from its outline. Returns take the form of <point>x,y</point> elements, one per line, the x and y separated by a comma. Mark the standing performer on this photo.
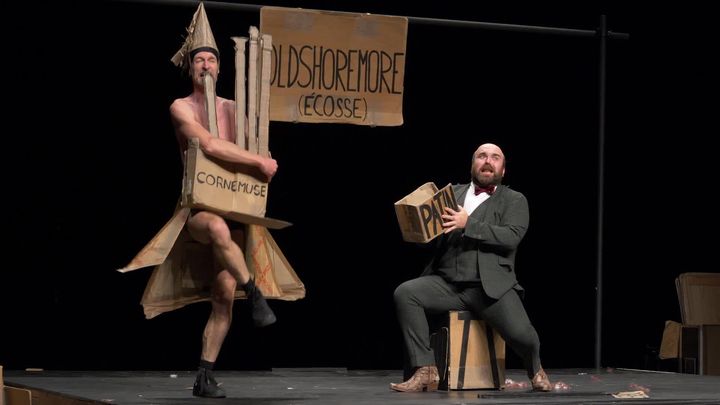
<point>199,56</point>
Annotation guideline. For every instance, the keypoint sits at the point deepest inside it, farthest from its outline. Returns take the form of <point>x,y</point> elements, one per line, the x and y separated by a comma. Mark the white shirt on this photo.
<point>473,201</point>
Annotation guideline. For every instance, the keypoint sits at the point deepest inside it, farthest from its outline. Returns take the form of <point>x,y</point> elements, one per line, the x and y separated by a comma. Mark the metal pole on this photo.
<point>220,5</point>
<point>602,34</point>
<point>514,27</point>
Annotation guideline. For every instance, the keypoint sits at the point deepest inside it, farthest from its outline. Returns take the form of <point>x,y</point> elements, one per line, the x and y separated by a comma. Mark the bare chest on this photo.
<point>225,114</point>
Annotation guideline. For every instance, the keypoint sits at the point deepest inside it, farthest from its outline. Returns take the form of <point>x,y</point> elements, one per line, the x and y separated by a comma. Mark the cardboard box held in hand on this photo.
<point>420,213</point>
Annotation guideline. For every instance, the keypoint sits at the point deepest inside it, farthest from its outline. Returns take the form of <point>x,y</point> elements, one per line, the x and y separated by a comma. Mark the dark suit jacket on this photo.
<point>484,252</point>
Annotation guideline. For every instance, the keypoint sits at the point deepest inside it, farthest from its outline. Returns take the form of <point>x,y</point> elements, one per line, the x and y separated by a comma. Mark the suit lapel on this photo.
<point>489,205</point>
<point>460,192</point>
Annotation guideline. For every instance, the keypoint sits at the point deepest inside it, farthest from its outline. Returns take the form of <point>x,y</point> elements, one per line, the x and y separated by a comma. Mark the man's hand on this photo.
<point>453,220</point>
<point>268,166</point>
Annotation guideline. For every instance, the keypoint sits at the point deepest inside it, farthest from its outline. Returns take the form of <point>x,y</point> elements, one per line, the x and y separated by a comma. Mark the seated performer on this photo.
<point>473,270</point>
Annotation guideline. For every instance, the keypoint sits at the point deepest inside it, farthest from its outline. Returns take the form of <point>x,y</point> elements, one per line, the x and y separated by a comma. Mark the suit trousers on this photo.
<point>416,298</point>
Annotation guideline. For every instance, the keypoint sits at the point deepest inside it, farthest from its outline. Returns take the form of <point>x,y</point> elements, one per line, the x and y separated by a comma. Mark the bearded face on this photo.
<point>488,166</point>
<point>204,63</point>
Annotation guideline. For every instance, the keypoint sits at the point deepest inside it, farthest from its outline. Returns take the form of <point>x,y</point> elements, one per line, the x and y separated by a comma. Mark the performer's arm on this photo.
<point>183,119</point>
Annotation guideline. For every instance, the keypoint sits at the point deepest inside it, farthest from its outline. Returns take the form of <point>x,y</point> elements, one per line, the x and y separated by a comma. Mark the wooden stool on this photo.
<point>469,354</point>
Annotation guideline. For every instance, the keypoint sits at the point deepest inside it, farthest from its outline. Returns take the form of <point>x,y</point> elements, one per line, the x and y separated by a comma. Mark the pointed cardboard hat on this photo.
<point>199,38</point>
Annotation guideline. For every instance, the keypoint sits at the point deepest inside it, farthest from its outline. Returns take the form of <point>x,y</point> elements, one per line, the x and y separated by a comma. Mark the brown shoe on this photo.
<point>425,379</point>
<point>541,382</point>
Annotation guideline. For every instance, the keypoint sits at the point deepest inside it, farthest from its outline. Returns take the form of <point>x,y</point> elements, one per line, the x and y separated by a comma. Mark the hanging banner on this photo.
<point>333,67</point>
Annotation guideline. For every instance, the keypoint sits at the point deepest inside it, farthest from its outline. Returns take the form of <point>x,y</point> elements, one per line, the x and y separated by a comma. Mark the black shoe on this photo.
<point>262,314</point>
<point>206,386</point>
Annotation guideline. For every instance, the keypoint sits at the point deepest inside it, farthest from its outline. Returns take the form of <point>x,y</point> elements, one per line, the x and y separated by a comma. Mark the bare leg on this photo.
<point>222,298</point>
<point>207,227</point>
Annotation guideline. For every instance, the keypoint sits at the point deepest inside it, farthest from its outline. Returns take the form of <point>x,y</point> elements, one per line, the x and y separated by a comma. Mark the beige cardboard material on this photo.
<point>700,349</point>
<point>185,268</point>
<point>265,45</point>
<point>231,190</point>
<point>630,394</point>
<point>477,368</point>
<point>225,188</point>
<point>695,341</point>
<point>699,296</point>
<point>252,100</point>
<point>199,34</point>
<point>17,396</point>
<point>711,349</point>
<point>240,119</point>
<point>210,107</point>
<point>26,396</point>
<point>419,213</point>
<point>185,277</point>
<point>670,344</point>
<point>333,67</point>
<point>157,250</point>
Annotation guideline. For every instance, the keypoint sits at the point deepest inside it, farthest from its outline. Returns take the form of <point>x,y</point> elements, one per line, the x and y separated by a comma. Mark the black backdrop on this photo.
<point>92,172</point>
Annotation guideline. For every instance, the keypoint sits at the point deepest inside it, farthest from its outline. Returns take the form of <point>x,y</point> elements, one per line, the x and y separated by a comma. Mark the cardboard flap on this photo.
<point>185,277</point>
<point>420,195</point>
<point>285,277</point>
<point>699,296</point>
<point>419,213</point>
<point>670,344</point>
<point>249,219</point>
<point>16,396</point>
<point>157,250</point>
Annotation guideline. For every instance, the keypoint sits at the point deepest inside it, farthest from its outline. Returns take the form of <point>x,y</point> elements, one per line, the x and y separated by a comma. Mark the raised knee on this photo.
<point>218,231</point>
<point>224,294</point>
<point>402,292</point>
<point>223,299</point>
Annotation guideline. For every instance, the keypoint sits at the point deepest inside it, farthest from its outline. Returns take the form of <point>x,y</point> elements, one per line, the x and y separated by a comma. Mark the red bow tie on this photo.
<point>489,189</point>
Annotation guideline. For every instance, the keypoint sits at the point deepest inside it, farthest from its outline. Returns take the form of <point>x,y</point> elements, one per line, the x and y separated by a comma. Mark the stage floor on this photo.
<point>322,386</point>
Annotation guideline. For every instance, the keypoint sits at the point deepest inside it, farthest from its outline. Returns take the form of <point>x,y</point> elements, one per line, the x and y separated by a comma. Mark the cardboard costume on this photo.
<point>199,37</point>
<point>185,268</point>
